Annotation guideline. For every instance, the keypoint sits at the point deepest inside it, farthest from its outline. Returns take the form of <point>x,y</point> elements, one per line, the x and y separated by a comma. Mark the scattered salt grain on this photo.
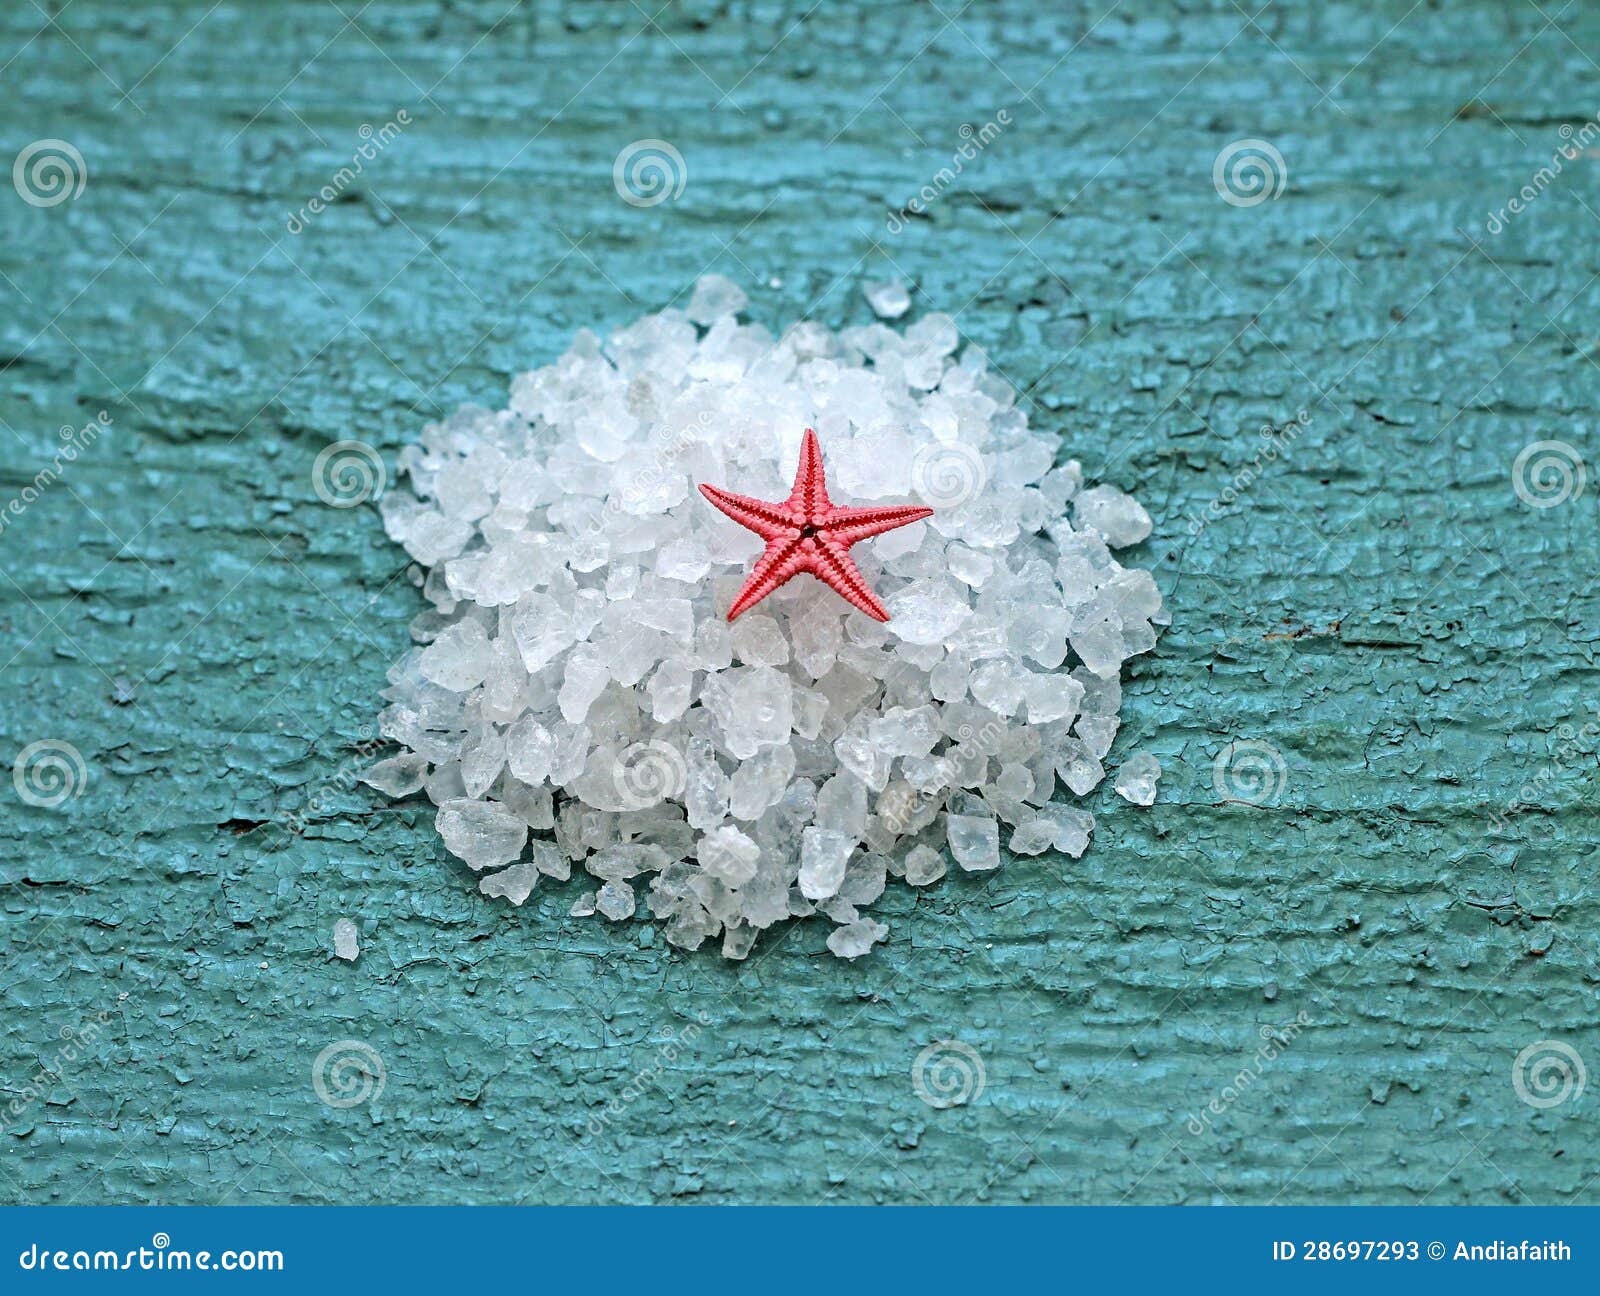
<point>1054,826</point>
<point>855,939</point>
<point>346,940</point>
<point>399,775</point>
<point>888,299</point>
<point>1120,518</point>
<point>576,696</point>
<point>515,884</point>
<point>615,900</point>
<point>1136,780</point>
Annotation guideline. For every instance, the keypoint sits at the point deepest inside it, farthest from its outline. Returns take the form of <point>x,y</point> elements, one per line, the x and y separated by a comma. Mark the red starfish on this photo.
<point>809,533</point>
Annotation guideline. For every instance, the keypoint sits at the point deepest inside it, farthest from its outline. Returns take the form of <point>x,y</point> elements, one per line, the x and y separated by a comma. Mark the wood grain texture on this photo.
<point>1377,605</point>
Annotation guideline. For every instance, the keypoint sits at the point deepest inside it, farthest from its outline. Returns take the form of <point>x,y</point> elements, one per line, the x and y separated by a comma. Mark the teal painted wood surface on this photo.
<point>1375,602</point>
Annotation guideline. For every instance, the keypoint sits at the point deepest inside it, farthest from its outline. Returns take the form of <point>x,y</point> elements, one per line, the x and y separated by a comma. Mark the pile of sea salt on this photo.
<point>578,698</point>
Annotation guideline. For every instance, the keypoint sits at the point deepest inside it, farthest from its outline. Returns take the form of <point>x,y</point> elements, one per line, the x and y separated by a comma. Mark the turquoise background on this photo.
<point>1379,606</point>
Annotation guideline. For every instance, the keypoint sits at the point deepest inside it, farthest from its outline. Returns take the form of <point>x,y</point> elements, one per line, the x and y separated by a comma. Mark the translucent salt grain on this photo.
<point>481,833</point>
<point>974,841</point>
<point>927,611</point>
<point>823,855</point>
<point>576,700</point>
<point>399,775</point>
<point>515,884</point>
<point>888,299</point>
<point>346,940</point>
<point>855,939</point>
<point>728,855</point>
<point>1136,780</point>
<point>715,297</point>
<point>459,658</point>
<point>1118,517</point>
<point>923,865</point>
<point>615,901</point>
<point>1053,827</point>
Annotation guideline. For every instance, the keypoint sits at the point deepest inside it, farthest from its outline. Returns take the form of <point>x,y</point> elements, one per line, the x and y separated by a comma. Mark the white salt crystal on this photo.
<point>346,940</point>
<point>1079,769</point>
<point>857,938</point>
<point>615,901</point>
<point>715,297</point>
<point>1054,826</point>
<point>927,611</point>
<point>728,855</point>
<point>1098,733</point>
<point>530,750</point>
<point>458,658</point>
<point>585,679</point>
<point>969,566</point>
<point>888,299</point>
<point>760,782</point>
<point>974,841</point>
<point>923,865</point>
<point>1136,780</point>
<point>579,702</point>
<point>550,861</point>
<point>1119,518</point>
<point>1015,782</point>
<point>757,641</point>
<point>515,884</point>
<point>738,939</point>
<point>399,775</point>
<point>823,856</point>
<point>1051,697</point>
<point>480,833</point>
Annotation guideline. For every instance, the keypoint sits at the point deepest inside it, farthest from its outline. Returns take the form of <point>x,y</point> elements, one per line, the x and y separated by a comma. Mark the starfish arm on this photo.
<point>810,493</point>
<point>782,560</point>
<point>834,566</point>
<point>769,521</point>
<point>848,525</point>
